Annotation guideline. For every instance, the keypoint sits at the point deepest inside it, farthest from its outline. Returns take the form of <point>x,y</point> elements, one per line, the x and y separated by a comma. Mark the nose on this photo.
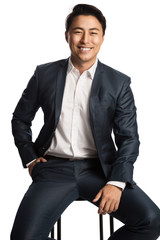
<point>85,38</point>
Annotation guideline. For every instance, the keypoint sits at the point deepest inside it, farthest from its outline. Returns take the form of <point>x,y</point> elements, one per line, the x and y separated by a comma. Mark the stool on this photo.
<point>111,220</point>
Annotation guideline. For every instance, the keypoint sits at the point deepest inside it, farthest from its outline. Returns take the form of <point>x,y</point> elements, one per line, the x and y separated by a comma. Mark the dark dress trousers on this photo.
<point>111,108</point>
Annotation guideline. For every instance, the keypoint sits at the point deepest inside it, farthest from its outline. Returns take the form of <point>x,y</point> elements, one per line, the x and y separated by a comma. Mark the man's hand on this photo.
<point>31,166</point>
<point>110,198</point>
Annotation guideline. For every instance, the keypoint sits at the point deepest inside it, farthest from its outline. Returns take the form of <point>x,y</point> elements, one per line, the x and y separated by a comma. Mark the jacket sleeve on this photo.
<point>22,120</point>
<point>126,136</point>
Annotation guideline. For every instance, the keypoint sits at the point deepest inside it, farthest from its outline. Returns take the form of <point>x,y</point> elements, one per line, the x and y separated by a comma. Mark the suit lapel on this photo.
<point>61,79</point>
<point>95,92</point>
<point>96,85</point>
<point>96,81</point>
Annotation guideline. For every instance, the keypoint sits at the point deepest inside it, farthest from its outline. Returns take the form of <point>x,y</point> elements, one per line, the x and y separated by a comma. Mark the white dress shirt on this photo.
<point>73,136</point>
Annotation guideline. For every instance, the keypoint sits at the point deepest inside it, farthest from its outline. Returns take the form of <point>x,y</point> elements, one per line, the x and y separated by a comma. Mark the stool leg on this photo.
<point>101,226</point>
<point>111,225</point>
<point>52,232</point>
<point>59,229</point>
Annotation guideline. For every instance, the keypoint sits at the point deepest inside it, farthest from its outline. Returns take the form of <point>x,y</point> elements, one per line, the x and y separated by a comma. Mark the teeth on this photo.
<point>85,49</point>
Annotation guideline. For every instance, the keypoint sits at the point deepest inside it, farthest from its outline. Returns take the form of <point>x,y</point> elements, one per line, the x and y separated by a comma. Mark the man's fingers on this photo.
<point>110,206</point>
<point>31,166</point>
<point>41,159</point>
<point>116,206</point>
<point>110,198</point>
<point>97,197</point>
<point>102,206</point>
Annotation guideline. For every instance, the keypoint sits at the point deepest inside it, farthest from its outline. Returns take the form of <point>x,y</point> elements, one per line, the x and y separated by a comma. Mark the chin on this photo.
<point>85,59</point>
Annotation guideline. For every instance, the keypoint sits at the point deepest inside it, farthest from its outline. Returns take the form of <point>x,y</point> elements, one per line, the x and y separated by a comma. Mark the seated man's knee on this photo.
<point>152,223</point>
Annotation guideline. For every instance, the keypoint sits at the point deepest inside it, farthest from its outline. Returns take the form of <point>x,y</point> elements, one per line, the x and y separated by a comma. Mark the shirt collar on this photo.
<point>91,70</point>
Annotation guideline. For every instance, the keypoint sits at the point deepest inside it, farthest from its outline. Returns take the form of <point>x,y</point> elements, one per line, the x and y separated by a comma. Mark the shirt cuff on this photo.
<point>30,162</point>
<point>117,184</point>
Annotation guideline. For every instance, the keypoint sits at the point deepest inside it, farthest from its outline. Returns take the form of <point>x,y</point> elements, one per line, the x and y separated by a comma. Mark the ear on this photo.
<point>66,36</point>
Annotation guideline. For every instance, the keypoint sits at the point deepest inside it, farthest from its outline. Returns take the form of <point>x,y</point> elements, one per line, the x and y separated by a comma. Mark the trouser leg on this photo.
<point>44,202</point>
<point>40,208</point>
<point>141,217</point>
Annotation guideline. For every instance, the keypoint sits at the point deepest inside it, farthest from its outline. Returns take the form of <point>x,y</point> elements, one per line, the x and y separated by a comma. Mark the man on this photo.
<point>74,155</point>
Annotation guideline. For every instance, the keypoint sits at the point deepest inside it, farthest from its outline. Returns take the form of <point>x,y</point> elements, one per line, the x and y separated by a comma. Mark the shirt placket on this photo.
<point>75,118</point>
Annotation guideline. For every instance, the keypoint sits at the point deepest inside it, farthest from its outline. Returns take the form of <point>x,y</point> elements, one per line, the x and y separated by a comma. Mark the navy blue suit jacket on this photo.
<point>111,106</point>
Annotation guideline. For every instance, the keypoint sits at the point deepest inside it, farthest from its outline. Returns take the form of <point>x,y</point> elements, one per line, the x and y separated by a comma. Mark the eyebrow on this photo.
<point>75,28</point>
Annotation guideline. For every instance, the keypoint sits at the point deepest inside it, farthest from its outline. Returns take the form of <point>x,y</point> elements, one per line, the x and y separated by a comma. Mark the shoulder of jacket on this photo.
<point>49,65</point>
<point>114,73</point>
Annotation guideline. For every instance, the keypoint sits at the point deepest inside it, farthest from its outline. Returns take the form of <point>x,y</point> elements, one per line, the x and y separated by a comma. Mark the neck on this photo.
<point>82,66</point>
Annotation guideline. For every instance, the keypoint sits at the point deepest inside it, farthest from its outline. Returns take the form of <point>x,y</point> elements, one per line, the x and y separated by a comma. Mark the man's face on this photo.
<point>84,37</point>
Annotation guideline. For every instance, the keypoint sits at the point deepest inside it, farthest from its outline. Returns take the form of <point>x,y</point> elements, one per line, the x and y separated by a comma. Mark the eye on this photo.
<point>78,32</point>
<point>93,33</point>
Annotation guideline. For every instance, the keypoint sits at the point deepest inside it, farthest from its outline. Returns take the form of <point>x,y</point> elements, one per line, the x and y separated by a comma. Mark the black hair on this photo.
<point>85,9</point>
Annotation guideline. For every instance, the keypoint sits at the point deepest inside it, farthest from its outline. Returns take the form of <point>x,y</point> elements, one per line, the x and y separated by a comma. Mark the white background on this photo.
<point>32,32</point>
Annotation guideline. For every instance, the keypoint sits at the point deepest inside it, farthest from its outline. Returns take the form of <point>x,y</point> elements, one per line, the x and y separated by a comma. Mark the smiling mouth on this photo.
<point>85,49</point>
